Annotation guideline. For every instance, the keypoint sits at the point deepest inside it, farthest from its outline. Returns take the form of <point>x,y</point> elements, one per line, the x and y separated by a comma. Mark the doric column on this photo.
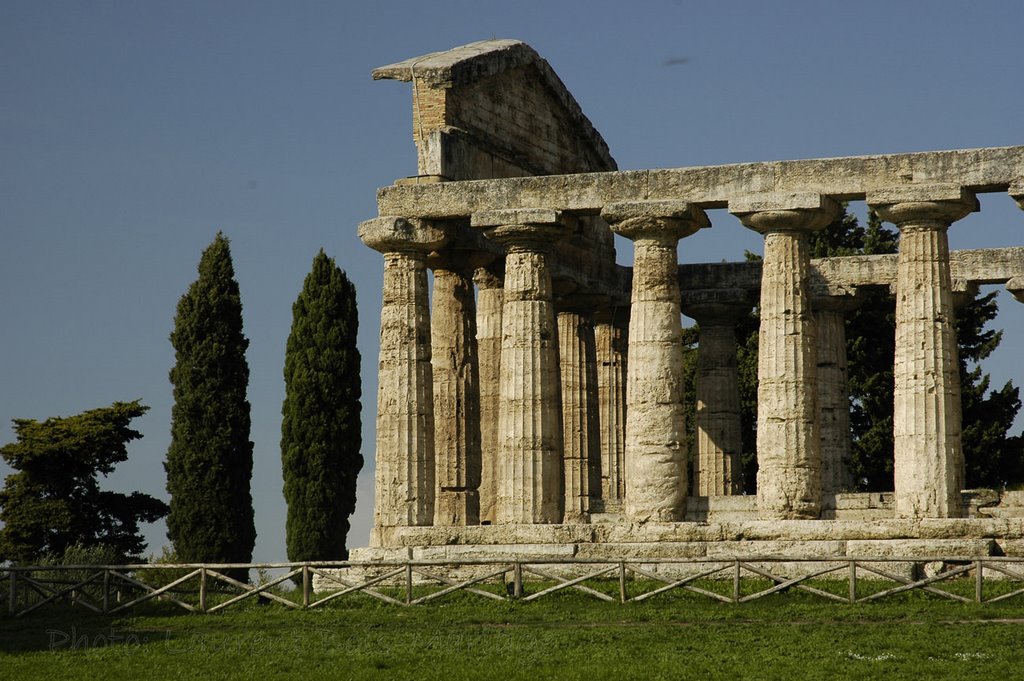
<point>404,493</point>
<point>578,370</point>
<point>529,420</point>
<point>788,445</point>
<point>611,337</point>
<point>928,458</point>
<point>490,294</point>
<point>833,391</point>
<point>718,427</point>
<point>456,390</point>
<point>656,479</point>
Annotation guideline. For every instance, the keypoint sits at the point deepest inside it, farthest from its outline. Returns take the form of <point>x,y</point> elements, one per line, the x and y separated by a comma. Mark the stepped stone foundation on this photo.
<point>535,406</point>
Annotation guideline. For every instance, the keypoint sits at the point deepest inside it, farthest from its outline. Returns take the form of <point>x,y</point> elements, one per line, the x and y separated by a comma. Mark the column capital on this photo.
<point>912,204</point>
<point>784,212</point>
<point>529,228</point>
<point>667,221</point>
<point>465,262</point>
<point>490,275</point>
<point>1016,288</point>
<point>1017,192</point>
<point>836,301</point>
<point>390,233</point>
<point>716,306</point>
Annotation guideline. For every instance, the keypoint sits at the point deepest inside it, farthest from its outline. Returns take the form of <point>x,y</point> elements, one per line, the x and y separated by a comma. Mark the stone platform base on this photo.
<point>653,546</point>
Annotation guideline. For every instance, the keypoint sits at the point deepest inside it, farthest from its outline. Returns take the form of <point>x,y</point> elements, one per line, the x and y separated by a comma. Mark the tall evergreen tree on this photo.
<point>320,432</point>
<point>53,502</point>
<point>209,462</point>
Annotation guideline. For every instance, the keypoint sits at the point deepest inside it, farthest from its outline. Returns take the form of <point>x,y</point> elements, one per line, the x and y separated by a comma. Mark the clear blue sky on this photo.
<point>130,132</point>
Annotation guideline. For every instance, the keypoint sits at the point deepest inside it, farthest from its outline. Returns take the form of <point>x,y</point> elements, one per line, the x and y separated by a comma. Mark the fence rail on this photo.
<point>194,587</point>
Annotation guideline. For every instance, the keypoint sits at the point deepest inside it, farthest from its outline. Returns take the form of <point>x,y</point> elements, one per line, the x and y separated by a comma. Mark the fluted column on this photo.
<point>718,427</point>
<point>788,445</point>
<point>529,420</point>
<point>577,365</point>
<point>456,391</point>
<point>611,337</point>
<point>928,457</point>
<point>490,294</point>
<point>833,392</point>
<point>404,476</point>
<point>656,478</point>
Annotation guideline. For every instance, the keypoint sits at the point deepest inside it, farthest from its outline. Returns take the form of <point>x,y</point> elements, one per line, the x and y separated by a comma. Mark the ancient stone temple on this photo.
<point>532,403</point>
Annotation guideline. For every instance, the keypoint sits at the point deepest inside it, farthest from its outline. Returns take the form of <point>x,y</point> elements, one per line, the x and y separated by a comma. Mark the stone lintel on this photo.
<point>516,216</point>
<point>844,179</point>
<point>934,202</point>
<point>772,212</point>
<point>839,274</point>
<point>657,220</point>
<point>391,233</point>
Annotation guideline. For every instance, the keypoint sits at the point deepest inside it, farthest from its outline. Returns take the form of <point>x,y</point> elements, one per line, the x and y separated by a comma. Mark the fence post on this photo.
<point>305,585</point>
<point>106,589</point>
<point>979,581</point>
<point>853,581</point>
<point>12,603</point>
<point>202,589</point>
<point>622,581</point>
<point>517,580</point>
<point>736,582</point>
<point>408,583</point>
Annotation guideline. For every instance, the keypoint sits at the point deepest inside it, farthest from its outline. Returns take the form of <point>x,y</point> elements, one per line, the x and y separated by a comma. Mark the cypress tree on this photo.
<point>209,462</point>
<point>320,431</point>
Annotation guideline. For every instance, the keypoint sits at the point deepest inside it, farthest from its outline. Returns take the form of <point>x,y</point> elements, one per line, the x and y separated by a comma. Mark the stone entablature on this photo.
<point>982,171</point>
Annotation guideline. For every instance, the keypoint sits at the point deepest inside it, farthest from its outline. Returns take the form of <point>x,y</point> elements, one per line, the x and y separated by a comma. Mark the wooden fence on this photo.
<point>206,588</point>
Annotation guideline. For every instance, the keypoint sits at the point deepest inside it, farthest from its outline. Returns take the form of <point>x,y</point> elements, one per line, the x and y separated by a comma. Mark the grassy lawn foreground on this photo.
<point>568,636</point>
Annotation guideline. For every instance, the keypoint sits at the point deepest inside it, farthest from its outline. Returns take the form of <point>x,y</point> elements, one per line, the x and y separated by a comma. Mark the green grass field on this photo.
<point>568,635</point>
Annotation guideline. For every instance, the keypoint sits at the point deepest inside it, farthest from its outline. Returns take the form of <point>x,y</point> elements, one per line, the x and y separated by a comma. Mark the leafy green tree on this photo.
<point>320,432</point>
<point>52,503</point>
<point>209,462</point>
